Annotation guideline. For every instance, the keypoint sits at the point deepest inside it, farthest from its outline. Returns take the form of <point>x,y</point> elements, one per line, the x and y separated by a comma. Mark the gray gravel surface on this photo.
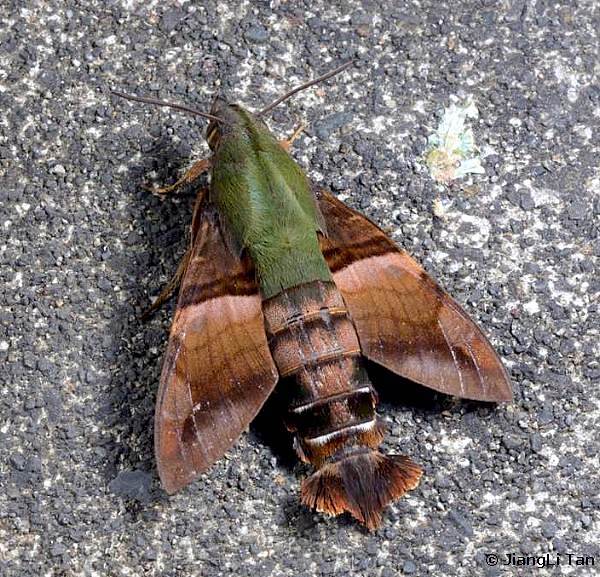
<point>84,248</point>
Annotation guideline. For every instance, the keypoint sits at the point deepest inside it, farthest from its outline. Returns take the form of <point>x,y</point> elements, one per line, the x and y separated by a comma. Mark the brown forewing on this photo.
<point>405,321</point>
<point>218,370</point>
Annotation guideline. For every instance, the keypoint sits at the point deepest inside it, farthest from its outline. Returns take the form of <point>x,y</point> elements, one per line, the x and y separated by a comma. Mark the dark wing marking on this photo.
<point>405,321</point>
<point>218,370</point>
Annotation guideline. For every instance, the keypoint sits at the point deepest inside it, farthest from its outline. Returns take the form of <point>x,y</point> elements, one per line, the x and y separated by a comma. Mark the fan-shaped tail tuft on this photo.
<point>362,485</point>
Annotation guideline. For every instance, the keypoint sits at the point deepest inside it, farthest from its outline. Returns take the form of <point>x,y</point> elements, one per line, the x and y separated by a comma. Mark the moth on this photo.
<point>281,279</point>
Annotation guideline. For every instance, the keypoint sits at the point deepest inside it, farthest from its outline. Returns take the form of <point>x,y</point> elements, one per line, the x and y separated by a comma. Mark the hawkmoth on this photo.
<point>281,279</point>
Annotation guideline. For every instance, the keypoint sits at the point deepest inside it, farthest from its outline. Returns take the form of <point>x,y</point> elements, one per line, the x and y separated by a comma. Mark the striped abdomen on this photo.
<point>332,408</point>
<point>313,340</point>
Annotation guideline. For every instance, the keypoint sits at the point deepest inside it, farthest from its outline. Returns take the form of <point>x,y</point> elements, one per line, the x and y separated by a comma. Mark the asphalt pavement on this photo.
<point>84,248</point>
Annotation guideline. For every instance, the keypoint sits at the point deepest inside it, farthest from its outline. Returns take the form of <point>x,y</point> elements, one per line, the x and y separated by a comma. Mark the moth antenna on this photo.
<point>157,102</point>
<point>305,86</point>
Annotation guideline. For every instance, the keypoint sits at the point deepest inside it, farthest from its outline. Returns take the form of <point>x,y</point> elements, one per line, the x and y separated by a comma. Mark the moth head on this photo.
<point>233,120</point>
<point>228,117</point>
<point>220,104</point>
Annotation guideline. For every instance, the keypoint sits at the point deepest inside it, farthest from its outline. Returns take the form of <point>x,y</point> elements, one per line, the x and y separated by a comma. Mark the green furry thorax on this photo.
<point>267,205</point>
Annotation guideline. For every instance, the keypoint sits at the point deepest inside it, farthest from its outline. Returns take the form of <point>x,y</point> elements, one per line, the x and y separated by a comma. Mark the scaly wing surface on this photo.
<point>218,370</point>
<point>404,320</point>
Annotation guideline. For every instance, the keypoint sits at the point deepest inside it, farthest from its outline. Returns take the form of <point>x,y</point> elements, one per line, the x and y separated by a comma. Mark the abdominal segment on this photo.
<point>332,402</point>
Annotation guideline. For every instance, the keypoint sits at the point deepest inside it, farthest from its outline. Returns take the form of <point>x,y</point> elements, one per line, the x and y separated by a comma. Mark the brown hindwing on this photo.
<point>218,370</point>
<point>405,321</point>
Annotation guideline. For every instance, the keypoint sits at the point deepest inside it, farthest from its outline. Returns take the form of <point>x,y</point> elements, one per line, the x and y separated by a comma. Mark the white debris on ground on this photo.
<point>452,153</point>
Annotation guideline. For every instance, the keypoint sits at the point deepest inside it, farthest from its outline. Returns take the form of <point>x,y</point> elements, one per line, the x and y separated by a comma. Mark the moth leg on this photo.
<point>171,286</point>
<point>192,174</point>
<point>287,143</point>
<point>175,281</point>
